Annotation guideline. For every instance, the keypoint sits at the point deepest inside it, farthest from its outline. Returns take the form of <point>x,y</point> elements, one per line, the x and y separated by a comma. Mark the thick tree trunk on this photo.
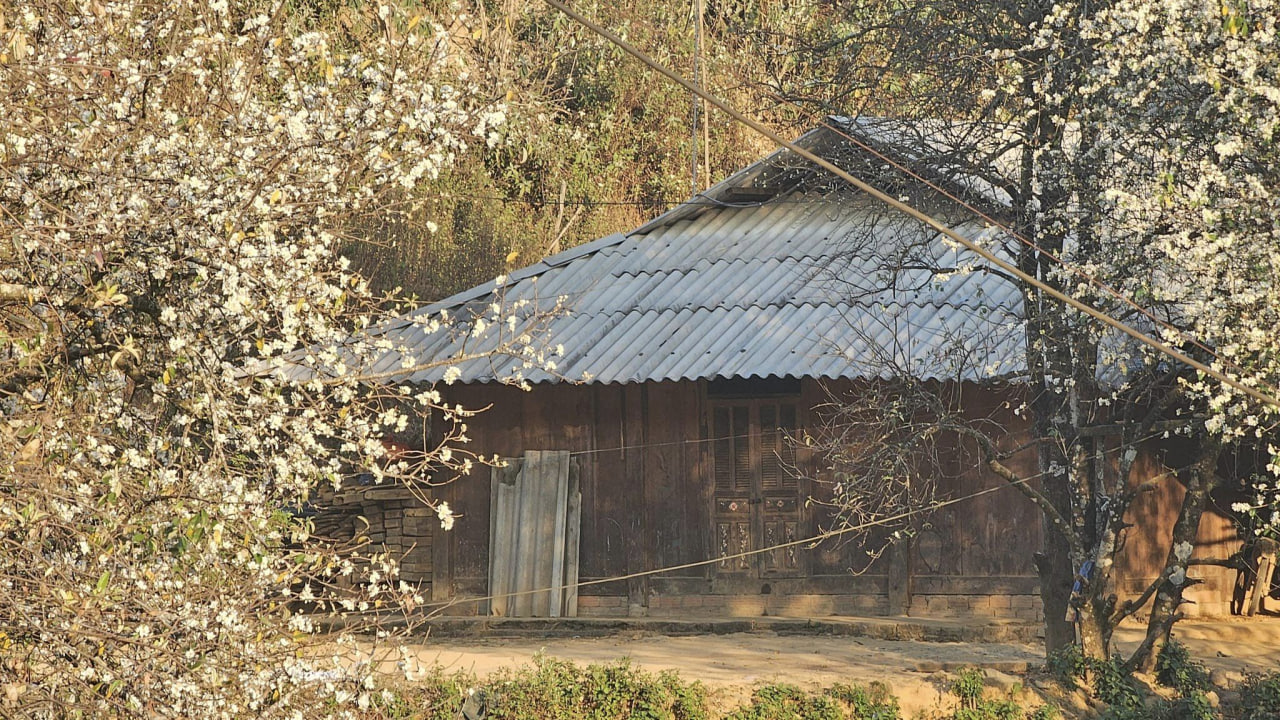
<point>1053,564</point>
<point>1095,633</point>
<point>1164,610</point>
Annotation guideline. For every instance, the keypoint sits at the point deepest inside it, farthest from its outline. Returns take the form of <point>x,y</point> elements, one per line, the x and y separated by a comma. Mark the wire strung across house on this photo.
<point>810,541</point>
<point>1268,398</point>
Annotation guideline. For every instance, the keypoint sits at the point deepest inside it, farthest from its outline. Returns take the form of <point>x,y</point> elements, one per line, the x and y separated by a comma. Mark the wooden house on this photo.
<point>693,347</point>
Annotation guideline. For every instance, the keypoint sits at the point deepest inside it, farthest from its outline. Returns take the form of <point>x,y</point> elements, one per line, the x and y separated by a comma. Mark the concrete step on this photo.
<point>880,628</point>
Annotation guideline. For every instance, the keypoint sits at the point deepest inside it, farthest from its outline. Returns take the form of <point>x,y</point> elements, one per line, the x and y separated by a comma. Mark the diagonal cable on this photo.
<point>916,214</point>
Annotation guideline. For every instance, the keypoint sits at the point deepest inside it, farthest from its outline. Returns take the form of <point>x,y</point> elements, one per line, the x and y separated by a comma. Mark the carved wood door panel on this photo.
<point>757,496</point>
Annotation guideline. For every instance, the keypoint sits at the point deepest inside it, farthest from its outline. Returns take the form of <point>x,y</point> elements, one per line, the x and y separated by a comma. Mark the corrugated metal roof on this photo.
<point>803,285</point>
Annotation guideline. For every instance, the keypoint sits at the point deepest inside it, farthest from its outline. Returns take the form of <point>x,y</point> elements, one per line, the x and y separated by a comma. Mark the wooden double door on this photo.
<point>757,501</point>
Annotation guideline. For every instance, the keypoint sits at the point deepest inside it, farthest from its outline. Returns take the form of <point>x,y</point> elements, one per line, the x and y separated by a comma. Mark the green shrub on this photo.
<point>438,697</point>
<point>1067,665</point>
<point>967,687</point>
<point>1260,697</point>
<point>874,702</point>
<point>787,702</point>
<point>1112,683</point>
<point>1045,712</point>
<point>1175,669</point>
<point>990,710</point>
<point>688,699</point>
<point>1194,705</point>
<point>557,689</point>
<point>1115,712</point>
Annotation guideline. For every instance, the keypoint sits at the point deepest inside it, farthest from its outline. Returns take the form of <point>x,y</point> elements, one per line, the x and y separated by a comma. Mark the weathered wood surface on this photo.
<point>630,489</point>
<point>502,516</point>
<point>1265,557</point>
<point>901,555</point>
<point>647,501</point>
<point>573,541</point>
<point>529,527</point>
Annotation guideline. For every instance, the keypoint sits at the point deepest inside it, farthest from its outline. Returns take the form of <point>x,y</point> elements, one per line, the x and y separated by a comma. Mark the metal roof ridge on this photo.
<point>691,206</point>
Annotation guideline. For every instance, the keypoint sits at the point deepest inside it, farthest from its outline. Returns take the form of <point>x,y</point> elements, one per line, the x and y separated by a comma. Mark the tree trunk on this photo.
<point>1095,632</point>
<point>1053,564</point>
<point>1164,610</point>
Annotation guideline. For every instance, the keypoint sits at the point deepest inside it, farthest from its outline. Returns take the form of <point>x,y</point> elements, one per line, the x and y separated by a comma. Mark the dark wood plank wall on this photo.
<point>979,538</point>
<point>989,536</point>
<point>606,524</point>
<point>835,560</point>
<point>676,507</point>
<point>1145,552</point>
<point>645,469</point>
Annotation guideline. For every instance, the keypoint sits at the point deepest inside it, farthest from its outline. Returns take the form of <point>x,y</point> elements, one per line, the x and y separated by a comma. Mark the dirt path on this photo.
<point>732,665</point>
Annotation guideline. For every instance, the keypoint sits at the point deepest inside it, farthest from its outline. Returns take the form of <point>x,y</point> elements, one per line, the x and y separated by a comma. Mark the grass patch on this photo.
<point>554,689</point>
<point>551,689</point>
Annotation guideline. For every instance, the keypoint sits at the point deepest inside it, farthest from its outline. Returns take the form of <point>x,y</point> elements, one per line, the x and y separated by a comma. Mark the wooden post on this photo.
<point>1265,552</point>
<point>503,506</point>
<point>573,542</point>
<point>899,576</point>
<point>441,559</point>
<point>632,486</point>
<point>559,464</point>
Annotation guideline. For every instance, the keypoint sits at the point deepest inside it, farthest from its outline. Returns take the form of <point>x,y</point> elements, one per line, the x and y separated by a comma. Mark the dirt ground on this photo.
<point>732,665</point>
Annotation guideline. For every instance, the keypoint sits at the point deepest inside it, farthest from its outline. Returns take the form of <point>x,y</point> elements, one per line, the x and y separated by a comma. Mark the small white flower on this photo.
<point>446,516</point>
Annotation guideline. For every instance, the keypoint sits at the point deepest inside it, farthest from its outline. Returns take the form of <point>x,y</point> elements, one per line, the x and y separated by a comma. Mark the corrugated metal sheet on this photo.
<point>803,285</point>
<point>714,296</point>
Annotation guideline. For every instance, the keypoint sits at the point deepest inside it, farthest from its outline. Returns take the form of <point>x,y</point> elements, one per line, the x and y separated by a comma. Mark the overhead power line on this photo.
<point>807,541</point>
<point>993,222</point>
<point>918,215</point>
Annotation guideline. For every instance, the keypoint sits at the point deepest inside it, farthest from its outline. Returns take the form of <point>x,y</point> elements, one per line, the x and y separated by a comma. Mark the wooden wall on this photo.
<point>1145,552</point>
<point>974,549</point>
<point>645,467</point>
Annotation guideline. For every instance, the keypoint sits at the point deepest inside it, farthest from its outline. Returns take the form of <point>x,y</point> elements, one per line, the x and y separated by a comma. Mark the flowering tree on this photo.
<point>1132,147</point>
<point>176,176</point>
<point>1185,100</point>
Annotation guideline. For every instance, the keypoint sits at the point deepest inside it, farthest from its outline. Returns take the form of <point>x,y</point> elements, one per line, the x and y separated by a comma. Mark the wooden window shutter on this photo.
<point>770,470</point>
<point>786,445</point>
<point>722,431</point>
<point>777,453</point>
<point>741,449</point>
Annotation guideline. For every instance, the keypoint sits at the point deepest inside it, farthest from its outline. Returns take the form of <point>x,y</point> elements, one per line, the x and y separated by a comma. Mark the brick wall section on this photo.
<point>999,607</point>
<point>602,606</point>
<point>995,607</point>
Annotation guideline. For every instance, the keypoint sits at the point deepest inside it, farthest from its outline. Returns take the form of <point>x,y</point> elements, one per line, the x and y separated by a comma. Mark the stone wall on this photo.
<point>994,607</point>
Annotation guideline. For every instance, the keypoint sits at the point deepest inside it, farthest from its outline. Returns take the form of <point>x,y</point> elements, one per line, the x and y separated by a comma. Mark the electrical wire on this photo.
<point>811,540</point>
<point>916,214</point>
<point>642,446</point>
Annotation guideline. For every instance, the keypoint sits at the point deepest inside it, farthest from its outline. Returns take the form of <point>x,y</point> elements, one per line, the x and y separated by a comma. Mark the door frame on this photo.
<point>756,497</point>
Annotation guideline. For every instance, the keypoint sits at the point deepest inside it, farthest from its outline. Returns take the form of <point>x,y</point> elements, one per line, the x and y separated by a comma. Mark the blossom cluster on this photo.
<point>1175,112</point>
<point>178,179</point>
